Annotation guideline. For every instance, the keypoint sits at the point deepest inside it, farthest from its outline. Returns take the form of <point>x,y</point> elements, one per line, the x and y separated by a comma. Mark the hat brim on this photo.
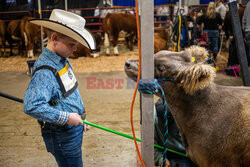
<point>84,37</point>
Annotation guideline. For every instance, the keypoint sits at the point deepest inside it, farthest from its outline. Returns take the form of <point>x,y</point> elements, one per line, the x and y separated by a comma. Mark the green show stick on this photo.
<point>97,126</point>
<point>128,136</point>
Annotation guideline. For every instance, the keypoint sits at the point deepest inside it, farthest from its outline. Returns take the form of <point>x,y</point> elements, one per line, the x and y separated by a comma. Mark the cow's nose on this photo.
<point>127,64</point>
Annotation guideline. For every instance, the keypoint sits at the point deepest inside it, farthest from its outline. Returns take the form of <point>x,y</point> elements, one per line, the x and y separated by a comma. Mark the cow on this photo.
<point>113,24</point>
<point>14,35</point>
<point>83,51</point>
<point>161,40</point>
<point>214,120</point>
<point>14,29</point>
<point>31,34</point>
<point>230,42</point>
<point>228,23</point>
<point>2,36</point>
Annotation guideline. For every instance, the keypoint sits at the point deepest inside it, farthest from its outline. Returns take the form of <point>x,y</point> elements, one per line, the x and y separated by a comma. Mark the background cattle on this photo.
<point>228,23</point>
<point>2,37</point>
<point>113,24</point>
<point>161,40</point>
<point>214,120</point>
<point>31,34</point>
<point>23,33</point>
<point>83,51</point>
<point>14,36</point>
<point>230,40</point>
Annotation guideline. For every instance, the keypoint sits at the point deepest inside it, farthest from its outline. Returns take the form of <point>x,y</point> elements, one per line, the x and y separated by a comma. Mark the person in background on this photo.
<point>246,29</point>
<point>52,96</point>
<point>221,8</point>
<point>174,141</point>
<point>212,24</point>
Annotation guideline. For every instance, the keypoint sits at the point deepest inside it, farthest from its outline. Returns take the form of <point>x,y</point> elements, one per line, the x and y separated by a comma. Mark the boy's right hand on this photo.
<point>167,164</point>
<point>74,119</point>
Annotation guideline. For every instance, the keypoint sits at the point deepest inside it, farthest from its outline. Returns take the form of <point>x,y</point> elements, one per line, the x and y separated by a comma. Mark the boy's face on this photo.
<point>65,46</point>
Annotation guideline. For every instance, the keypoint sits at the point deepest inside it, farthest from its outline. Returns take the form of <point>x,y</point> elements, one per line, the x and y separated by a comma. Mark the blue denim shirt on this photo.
<point>44,87</point>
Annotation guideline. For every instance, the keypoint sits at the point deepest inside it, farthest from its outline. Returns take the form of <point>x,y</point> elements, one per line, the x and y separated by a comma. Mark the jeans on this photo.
<point>247,36</point>
<point>64,143</point>
<point>213,39</point>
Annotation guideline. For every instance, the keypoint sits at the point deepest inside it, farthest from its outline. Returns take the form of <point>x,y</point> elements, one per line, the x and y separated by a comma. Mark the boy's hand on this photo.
<point>74,119</point>
<point>167,163</point>
<point>86,127</point>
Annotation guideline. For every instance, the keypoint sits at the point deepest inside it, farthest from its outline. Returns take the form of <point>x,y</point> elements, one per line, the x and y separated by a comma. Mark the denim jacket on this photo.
<point>44,88</point>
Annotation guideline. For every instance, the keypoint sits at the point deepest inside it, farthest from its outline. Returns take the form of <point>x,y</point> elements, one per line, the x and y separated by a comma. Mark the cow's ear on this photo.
<point>195,77</point>
<point>199,54</point>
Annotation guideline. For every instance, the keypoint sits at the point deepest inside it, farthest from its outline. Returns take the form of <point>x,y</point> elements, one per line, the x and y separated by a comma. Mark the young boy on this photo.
<point>52,96</point>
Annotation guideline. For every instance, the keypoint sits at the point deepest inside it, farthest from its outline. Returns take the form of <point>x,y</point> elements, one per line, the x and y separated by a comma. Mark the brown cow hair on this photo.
<point>199,53</point>
<point>195,77</point>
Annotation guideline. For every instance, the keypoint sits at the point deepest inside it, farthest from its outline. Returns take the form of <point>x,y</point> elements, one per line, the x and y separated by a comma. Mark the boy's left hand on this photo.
<point>86,127</point>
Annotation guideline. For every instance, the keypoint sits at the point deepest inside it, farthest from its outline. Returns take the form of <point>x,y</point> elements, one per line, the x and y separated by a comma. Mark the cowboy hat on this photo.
<point>69,24</point>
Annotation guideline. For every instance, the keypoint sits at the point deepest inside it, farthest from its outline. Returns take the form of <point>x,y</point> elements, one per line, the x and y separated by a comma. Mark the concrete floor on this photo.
<point>21,142</point>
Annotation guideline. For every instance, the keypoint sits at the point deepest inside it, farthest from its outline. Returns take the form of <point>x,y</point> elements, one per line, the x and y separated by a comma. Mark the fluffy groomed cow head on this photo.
<point>181,67</point>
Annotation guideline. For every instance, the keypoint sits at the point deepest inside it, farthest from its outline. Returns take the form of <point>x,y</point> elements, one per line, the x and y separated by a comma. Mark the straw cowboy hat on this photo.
<point>69,24</point>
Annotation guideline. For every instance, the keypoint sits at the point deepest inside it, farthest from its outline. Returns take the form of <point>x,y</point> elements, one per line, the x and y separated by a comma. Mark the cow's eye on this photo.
<point>161,68</point>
